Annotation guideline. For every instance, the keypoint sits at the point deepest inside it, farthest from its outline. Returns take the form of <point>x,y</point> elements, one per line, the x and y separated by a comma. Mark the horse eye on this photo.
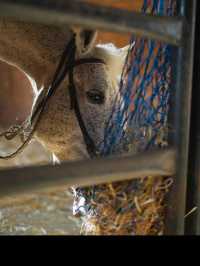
<point>95,96</point>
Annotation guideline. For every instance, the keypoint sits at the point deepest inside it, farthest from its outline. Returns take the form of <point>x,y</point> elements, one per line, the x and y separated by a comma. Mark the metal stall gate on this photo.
<point>178,31</point>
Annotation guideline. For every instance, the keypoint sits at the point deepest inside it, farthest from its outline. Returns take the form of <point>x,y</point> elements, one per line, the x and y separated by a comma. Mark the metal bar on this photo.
<point>177,200</point>
<point>192,222</point>
<point>196,176</point>
<point>86,173</point>
<point>60,12</point>
<point>196,216</point>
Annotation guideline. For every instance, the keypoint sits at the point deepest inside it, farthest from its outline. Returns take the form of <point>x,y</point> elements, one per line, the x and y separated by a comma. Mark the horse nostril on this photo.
<point>95,96</point>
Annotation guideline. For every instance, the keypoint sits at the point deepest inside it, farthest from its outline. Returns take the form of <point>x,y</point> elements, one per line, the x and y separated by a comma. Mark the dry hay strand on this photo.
<point>125,208</point>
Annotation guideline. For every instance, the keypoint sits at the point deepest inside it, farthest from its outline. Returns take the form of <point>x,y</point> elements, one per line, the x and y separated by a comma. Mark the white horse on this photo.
<point>36,50</point>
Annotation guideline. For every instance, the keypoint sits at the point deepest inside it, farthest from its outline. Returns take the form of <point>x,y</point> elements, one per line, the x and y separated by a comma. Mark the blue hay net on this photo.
<point>139,117</point>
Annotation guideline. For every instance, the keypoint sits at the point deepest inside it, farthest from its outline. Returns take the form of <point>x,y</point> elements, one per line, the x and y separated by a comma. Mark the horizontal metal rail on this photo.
<point>86,173</point>
<point>60,12</point>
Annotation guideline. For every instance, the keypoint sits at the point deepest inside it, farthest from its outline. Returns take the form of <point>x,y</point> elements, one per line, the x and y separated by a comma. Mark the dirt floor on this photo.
<point>36,214</point>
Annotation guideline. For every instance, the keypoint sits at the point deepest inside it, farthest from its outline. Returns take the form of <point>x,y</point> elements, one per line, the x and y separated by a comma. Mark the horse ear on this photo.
<point>85,40</point>
<point>113,57</point>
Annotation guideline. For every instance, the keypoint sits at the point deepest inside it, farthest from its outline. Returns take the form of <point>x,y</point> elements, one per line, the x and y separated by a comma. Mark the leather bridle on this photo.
<point>66,66</point>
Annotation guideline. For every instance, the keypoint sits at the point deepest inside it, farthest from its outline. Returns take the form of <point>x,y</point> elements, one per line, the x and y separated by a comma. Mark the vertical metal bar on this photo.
<point>192,221</point>
<point>184,75</point>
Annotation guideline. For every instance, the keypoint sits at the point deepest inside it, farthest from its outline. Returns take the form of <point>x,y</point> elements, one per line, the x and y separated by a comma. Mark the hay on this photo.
<point>125,208</point>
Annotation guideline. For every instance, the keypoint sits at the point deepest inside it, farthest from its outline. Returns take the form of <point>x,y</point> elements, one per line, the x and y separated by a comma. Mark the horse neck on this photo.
<point>33,48</point>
